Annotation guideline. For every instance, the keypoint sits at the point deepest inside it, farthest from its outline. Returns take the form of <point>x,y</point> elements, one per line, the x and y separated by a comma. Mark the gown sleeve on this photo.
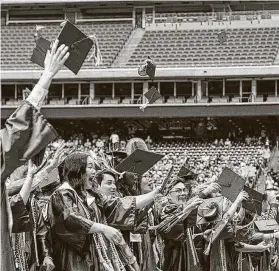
<point>21,217</point>
<point>120,212</point>
<point>177,231</point>
<point>70,223</point>
<point>25,134</point>
<point>42,235</point>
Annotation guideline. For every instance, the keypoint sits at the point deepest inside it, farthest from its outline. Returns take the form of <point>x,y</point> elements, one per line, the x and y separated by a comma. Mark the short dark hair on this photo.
<point>100,175</point>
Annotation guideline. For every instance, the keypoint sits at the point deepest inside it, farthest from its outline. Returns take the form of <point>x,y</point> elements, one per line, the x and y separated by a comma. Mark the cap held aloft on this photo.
<point>79,47</point>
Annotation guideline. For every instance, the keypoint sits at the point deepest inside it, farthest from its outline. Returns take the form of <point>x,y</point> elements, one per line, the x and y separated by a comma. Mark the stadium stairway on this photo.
<point>129,48</point>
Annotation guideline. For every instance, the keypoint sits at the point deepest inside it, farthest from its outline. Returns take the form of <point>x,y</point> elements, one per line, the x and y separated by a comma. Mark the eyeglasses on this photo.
<point>179,191</point>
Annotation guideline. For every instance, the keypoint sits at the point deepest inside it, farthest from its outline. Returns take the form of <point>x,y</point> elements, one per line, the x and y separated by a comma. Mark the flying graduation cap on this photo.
<point>152,95</point>
<point>79,46</point>
<point>148,68</point>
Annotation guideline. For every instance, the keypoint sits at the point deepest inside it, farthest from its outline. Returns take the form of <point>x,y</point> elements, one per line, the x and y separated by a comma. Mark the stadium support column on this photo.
<point>199,90</point>
<point>254,89</point>
<point>91,92</point>
<point>113,90</point>
<point>240,90</point>
<point>132,91</point>
<point>144,90</point>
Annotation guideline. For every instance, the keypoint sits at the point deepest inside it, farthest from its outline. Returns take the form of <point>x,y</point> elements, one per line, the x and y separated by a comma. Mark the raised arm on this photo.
<point>26,132</point>
<point>54,61</point>
<point>27,185</point>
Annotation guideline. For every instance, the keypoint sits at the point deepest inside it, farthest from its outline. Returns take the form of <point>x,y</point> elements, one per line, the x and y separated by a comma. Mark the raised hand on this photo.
<point>194,204</point>
<point>55,58</point>
<point>241,197</point>
<point>31,169</point>
<point>59,155</point>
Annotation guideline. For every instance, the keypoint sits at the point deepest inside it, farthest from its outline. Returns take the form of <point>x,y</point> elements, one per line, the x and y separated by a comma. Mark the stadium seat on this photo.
<point>199,47</point>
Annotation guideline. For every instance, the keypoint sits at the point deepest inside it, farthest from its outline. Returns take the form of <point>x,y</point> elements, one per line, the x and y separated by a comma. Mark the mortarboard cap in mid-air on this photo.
<point>152,95</point>
<point>254,202</point>
<point>148,68</point>
<point>139,162</point>
<point>40,51</point>
<point>79,46</point>
<point>269,225</point>
<point>231,184</point>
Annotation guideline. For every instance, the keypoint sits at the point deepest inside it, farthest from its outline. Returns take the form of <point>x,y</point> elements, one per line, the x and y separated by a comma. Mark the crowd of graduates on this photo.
<point>65,207</point>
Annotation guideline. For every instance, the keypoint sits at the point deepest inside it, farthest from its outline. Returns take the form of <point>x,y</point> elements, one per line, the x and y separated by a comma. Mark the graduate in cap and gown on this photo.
<point>79,219</point>
<point>26,133</point>
<point>179,250</point>
<point>140,239</point>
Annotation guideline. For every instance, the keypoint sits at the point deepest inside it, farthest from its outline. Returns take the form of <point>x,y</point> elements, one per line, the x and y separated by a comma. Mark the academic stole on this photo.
<point>192,256</point>
<point>113,264</point>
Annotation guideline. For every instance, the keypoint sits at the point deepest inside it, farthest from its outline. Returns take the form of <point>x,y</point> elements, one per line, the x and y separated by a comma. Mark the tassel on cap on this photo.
<point>37,33</point>
<point>96,54</point>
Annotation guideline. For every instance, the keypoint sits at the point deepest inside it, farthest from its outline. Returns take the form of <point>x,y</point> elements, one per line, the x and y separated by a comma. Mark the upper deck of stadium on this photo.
<point>174,36</point>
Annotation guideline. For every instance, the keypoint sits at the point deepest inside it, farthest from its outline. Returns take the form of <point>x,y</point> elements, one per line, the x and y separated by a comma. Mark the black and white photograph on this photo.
<point>139,135</point>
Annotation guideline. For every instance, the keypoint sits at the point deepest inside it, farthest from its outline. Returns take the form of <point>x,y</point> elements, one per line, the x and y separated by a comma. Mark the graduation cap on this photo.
<point>79,46</point>
<point>152,95</point>
<point>186,173</point>
<point>40,51</point>
<point>231,184</point>
<point>148,68</point>
<point>210,211</point>
<point>267,225</point>
<point>254,203</point>
<point>139,162</point>
<point>222,37</point>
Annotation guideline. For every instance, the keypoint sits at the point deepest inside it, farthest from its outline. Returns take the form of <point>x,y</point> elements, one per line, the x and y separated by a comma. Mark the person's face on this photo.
<point>108,186</point>
<point>178,194</point>
<point>145,185</point>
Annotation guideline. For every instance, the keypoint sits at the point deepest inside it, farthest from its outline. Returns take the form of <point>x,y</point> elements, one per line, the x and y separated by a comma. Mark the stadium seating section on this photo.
<point>18,42</point>
<point>238,153</point>
<point>200,47</point>
<point>252,46</point>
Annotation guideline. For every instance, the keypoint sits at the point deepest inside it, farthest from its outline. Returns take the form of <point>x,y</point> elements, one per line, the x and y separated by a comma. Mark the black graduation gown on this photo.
<point>26,133</point>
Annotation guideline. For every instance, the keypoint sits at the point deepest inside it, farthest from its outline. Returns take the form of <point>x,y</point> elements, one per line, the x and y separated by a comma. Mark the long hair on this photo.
<point>135,144</point>
<point>75,169</point>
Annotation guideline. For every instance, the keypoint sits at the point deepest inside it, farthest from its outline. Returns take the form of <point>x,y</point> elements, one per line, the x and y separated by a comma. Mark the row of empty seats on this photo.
<point>254,46</point>
<point>18,42</point>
